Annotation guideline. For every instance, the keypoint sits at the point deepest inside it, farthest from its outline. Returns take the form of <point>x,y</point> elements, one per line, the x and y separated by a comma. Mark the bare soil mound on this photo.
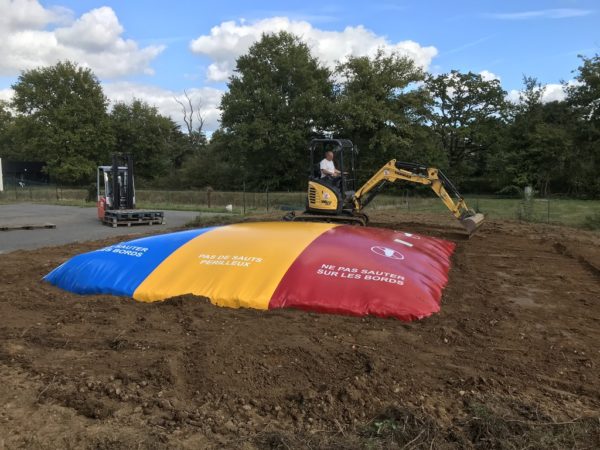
<point>511,361</point>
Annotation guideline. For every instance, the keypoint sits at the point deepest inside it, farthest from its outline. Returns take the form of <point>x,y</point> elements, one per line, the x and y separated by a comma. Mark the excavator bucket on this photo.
<point>472,223</point>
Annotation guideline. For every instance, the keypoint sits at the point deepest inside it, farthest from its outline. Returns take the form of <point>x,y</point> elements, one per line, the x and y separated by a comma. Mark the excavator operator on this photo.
<point>329,173</point>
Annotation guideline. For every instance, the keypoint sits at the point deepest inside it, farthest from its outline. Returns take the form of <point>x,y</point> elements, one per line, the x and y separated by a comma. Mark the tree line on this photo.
<point>281,96</point>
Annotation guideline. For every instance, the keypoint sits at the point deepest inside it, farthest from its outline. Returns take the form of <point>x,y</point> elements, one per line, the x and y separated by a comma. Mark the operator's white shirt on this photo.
<point>327,165</point>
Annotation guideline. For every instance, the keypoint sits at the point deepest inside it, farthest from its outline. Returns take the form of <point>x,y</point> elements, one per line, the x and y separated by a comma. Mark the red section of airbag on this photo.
<point>360,271</point>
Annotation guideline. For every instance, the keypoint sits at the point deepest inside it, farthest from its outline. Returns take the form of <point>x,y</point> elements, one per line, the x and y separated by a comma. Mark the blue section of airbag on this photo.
<point>120,268</point>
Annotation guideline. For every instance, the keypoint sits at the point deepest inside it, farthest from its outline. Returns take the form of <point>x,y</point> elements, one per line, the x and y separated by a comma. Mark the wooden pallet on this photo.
<point>28,226</point>
<point>130,217</point>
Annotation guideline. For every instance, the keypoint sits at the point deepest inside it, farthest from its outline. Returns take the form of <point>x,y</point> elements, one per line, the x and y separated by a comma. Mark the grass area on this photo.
<point>576,213</point>
<point>570,212</point>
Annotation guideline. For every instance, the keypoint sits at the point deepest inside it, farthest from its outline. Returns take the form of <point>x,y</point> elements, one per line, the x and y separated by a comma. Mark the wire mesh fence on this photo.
<point>238,200</point>
<point>547,210</point>
<point>42,193</point>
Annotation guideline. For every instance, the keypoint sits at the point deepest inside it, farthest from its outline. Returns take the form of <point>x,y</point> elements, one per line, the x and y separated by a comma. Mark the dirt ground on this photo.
<point>511,361</point>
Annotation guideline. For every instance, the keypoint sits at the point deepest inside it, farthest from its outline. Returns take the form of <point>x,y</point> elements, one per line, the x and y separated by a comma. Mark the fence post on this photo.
<point>548,209</point>
<point>267,198</point>
<point>244,199</point>
<point>527,204</point>
<point>208,192</point>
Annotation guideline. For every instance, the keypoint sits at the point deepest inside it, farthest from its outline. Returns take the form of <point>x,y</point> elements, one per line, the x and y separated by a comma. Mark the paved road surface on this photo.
<point>73,224</point>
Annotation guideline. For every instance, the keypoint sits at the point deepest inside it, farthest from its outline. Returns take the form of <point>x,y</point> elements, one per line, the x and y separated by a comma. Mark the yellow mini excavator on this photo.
<point>336,199</point>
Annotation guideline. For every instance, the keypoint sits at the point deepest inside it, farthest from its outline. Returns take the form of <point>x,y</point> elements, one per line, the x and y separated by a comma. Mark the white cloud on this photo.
<point>34,36</point>
<point>556,13</point>
<point>208,98</point>
<point>17,15</point>
<point>231,39</point>
<point>486,75</point>
<point>552,92</point>
<point>94,30</point>
<point>513,96</point>
<point>6,94</point>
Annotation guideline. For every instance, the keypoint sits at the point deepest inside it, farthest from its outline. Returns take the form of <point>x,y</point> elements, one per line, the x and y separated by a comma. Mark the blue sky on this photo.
<point>155,49</point>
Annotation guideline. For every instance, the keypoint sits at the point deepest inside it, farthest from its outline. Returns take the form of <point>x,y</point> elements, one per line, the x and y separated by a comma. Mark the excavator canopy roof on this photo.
<point>338,144</point>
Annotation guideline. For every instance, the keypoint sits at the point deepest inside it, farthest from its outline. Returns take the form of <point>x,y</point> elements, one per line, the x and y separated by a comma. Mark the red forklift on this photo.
<point>116,195</point>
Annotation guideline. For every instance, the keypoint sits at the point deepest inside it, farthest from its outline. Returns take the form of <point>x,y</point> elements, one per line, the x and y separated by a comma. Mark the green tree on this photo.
<point>6,130</point>
<point>62,120</point>
<point>585,94</point>
<point>539,146</point>
<point>466,114</point>
<point>217,166</point>
<point>584,99</point>
<point>511,166</point>
<point>279,97</point>
<point>381,109</point>
<point>551,152</point>
<point>155,141</point>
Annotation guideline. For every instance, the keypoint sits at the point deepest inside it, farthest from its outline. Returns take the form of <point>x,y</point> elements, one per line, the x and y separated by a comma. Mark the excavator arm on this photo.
<point>416,173</point>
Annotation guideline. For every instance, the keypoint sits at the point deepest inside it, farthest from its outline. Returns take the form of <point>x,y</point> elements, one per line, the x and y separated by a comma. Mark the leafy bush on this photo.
<point>511,191</point>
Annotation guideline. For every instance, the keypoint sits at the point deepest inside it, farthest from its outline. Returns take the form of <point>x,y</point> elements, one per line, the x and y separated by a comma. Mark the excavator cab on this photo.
<point>344,154</point>
<point>331,197</point>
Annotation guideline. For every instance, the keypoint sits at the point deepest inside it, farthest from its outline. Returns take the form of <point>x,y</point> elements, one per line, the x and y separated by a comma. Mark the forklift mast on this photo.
<point>115,183</point>
<point>122,184</point>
